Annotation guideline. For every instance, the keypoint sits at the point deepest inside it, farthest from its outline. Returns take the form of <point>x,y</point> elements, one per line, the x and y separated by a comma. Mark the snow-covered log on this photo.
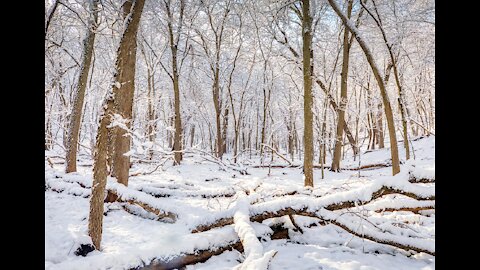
<point>405,243</point>
<point>421,180</point>
<point>342,200</point>
<point>204,193</point>
<point>254,255</point>
<point>61,186</point>
<point>145,201</point>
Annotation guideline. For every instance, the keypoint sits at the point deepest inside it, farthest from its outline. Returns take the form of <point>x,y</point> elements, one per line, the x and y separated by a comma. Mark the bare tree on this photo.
<point>381,84</point>
<point>401,95</point>
<point>343,96</point>
<point>213,55</point>
<point>174,76</point>
<point>76,114</point>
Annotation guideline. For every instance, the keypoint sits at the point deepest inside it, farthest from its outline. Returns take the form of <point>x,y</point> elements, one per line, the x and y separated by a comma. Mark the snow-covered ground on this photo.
<point>130,240</point>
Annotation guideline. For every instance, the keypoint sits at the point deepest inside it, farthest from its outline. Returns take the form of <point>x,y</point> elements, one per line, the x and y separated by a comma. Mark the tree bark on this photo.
<point>343,96</point>
<point>76,114</point>
<point>177,140</point>
<point>307,88</point>
<point>100,172</point>
<point>124,87</point>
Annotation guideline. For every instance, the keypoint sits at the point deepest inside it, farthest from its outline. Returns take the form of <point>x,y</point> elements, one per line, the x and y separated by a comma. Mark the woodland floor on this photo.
<point>200,192</point>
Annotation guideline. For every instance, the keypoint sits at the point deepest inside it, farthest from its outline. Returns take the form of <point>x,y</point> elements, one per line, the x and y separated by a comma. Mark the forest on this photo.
<point>239,134</point>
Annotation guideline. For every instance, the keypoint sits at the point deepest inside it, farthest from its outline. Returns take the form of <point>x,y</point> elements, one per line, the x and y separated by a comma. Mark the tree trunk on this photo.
<point>401,98</point>
<point>376,72</point>
<point>100,172</point>
<point>224,130</point>
<point>151,112</point>
<point>76,114</point>
<point>177,141</point>
<point>124,87</point>
<point>343,96</point>
<point>218,112</point>
<point>380,138</point>
<point>308,99</point>
<point>334,105</point>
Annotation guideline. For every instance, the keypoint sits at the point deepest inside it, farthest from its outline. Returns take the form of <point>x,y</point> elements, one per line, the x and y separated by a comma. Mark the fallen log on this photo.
<point>421,180</point>
<point>415,210</point>
<point>377,194</point>
<point>363,167</point>
<point>159,193</point>
<point>60,186</point>
<point>200,256</point>
<point>255,258</point>
<point>161,215</point>
<point>277,166</point>
<point>322,202</point>
<point>326,220</point>
<point>389,242</point>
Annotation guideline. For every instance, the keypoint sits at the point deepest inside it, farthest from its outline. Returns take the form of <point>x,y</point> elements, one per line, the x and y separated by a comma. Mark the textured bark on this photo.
<point>307,88</point>
<point>381,84</point>
<point>100,172</point>
<point>177,140</point>
<point>124,87</point>
<point>379,135</point>
<point>218,113</point>
<point>76,114</point>
<point>224,130</point>
<point>343,96</point>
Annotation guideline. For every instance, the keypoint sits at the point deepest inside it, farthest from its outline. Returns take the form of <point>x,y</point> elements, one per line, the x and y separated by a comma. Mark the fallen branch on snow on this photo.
<point>330,202</point>
<point>255,258</point>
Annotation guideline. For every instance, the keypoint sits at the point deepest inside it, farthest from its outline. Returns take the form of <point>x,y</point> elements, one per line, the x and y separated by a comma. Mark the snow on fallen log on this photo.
<point>317,166</point>
<point>352,226</point>
<point>335,201</point>
<point>421,180</point>
<point>399,203</point>
<point>85,182</point>
<point>214,242</point>
<point>166,212</point>
<point>254,256</point>
<point>60,186</point>
<point>203,193</point>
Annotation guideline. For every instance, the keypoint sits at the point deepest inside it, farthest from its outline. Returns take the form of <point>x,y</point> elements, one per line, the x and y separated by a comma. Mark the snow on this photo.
<point>254,257</point>
<point>132,240</point>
